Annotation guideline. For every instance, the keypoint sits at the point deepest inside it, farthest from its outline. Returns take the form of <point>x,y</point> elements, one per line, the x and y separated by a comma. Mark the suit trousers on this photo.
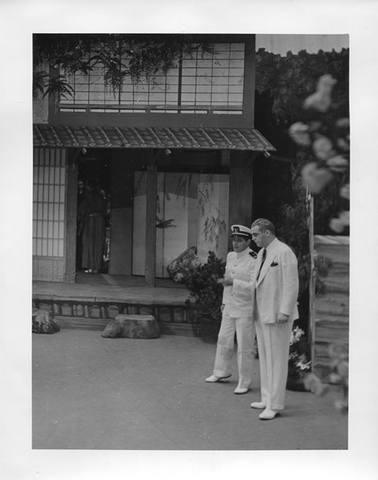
<point>273,342</point>
<point>245,337</point>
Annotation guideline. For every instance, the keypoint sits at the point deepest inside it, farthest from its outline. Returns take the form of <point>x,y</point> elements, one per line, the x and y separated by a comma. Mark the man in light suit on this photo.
<point>275,292</point>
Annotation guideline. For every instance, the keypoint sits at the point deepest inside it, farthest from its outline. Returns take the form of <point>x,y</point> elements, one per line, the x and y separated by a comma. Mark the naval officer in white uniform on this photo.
<point>237,312</point>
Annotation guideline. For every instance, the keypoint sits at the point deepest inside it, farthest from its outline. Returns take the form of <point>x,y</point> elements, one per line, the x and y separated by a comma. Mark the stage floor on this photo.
<point>103,287</point>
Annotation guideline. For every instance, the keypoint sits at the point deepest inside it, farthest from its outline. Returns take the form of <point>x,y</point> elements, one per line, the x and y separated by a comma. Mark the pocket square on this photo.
<point>274,264</point>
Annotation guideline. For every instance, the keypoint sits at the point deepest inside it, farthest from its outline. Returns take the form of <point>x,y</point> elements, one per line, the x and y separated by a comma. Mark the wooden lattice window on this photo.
<point>49,172</point>
<point>214,79</point>
<point>200,83</point>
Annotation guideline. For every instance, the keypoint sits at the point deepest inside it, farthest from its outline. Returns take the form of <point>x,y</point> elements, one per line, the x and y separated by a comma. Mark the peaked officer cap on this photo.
<point>241,230</point>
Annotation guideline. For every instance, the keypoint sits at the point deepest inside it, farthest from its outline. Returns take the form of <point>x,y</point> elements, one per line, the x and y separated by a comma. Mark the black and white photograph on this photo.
<point>180,230</point>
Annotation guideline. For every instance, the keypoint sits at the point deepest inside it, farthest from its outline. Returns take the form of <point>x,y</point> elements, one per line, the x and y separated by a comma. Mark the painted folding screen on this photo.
<point>192,210</point>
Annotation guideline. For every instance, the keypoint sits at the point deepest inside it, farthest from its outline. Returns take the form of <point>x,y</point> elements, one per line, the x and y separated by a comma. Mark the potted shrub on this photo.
<point>299,360</point>
<point>205,296</point>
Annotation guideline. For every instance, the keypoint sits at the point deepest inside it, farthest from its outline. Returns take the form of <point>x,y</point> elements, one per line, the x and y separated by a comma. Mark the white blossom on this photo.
<point>338,163</point>
<point>321,99</point>
<point>299,133</point>
<point>345,217</point>
<point>345,191</point>
<point>337,225</point>
<point>342,123</point>
<point>322,147</point>
<point>315,178</point>
<point>343,144</point>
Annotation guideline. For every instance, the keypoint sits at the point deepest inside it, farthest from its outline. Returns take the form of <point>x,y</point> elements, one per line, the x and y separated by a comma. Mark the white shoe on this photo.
<point>268,414</point>
<point>214,378</point>
<point>259,405</point>
<point>241,390</point>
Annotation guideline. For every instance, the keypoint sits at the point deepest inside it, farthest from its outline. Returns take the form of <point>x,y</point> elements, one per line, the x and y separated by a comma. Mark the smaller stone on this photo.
<point>132,326</point>
<point>43,322</point>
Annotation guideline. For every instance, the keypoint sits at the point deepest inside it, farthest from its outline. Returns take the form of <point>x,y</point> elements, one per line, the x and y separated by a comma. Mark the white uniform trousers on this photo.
<point>273,341</point>
<point>245,336</point>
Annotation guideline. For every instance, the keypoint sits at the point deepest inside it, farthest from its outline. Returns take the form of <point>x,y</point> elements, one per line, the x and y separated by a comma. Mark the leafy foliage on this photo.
<point>294,230</point>
<point>282,86</point>
<point>148,55</point>
<point>299,359</point>
<point>293,222</point>
<point>339,377</point>
<point>325,137</point>
<point>205,293</point>
<point>292,78</point>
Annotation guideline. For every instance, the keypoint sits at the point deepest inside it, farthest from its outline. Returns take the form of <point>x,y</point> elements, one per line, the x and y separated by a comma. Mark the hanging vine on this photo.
<point>147,56</point>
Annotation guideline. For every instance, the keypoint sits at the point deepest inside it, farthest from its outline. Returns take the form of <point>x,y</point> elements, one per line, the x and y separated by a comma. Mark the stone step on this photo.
<point>339,269</point>
<point>81,323</point>
<point>332,303</point>
<point>331,308</point>
<point>109,310</point>
<point>86,314</point>
<point>321,352</point>
<point>99,324</point>
<point>322,370</point>
<point>331,331</point>
<point>337,253</point>
<point>322,363</point>
<point>339,284</point>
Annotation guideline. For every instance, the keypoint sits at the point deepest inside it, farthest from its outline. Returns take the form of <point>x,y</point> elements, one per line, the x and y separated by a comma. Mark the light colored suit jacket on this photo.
<point>276,288</point>
<point>238,297</point>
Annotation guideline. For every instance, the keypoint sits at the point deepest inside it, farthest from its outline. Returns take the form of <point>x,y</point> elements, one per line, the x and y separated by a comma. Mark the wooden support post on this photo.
<point>241,188</point>
<point>71,215</point>
<point>150,252</point>
<point>311,330</point>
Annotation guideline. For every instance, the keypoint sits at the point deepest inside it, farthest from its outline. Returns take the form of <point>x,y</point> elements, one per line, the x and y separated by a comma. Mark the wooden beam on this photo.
<point>150,253</point>
<point>311,323</point>
<point>241,187</point>
<point>249,81</point>
<point>71,215</point>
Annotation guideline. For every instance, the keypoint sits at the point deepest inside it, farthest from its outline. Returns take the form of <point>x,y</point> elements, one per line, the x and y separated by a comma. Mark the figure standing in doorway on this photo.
<point>80,195</point>
<point>91,218</point>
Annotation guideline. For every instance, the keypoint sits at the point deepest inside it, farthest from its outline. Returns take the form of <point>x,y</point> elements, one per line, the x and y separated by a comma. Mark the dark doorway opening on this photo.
<point>93,169</point>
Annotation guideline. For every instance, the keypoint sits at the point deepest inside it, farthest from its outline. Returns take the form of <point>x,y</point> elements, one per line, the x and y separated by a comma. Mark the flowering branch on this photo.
<point>328,142</point>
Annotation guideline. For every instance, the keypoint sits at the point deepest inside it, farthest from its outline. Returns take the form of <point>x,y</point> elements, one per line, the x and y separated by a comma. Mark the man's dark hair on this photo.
<point>264,225</point>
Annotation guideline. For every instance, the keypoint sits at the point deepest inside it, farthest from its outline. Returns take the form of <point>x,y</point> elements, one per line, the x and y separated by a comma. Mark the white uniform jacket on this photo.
<point>276,289</point>
<point>238,297</point>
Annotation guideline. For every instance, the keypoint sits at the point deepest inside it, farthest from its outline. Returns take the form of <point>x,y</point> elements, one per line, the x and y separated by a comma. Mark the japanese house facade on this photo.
<point>175,155</point>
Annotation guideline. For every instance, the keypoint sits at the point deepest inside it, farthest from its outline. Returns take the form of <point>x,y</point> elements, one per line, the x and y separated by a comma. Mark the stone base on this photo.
<point>42,322</point>
<point>132,326</point>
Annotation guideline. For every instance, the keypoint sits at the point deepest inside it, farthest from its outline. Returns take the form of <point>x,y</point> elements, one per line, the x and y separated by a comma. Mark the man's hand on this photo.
<point>282,318</point>
<point>226,282</point>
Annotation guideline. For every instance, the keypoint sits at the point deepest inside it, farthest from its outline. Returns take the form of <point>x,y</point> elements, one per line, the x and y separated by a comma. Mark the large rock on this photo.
<point>132,326</point>
<point>43,322</point>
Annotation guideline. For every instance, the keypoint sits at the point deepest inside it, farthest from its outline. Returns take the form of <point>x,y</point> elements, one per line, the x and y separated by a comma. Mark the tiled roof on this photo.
<point>152,137</point>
